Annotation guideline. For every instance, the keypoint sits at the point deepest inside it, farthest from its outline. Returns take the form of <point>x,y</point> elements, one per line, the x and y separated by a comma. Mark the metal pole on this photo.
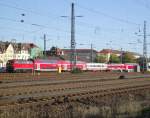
<point>121,56</point>
<point>73,43</point>
<point>44,45</point>
<point>144,49</point>
<point>91,52</point>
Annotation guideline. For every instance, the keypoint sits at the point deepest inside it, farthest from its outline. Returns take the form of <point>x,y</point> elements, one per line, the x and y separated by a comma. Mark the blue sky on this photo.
<point>105,23</point>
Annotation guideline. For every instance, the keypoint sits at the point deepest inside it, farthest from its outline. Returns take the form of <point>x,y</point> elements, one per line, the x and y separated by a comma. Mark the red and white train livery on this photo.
<point>53,65</point>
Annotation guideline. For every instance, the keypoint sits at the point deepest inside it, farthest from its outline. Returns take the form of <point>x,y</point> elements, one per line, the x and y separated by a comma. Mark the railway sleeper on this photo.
<point>120,91</point>
<point>58,101</point>
<point>66,99</point>
<point>109,94</point>
<point>115,91</point>
<point>6,95</point>
<point>30,92</point>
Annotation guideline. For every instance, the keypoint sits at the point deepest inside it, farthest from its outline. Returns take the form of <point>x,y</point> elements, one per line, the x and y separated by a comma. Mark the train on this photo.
<point>41,65</point>
<point>16,65</point>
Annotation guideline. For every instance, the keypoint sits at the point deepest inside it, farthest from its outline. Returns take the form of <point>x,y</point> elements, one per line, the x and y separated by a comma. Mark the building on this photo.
<point>136,55</point>
<point>54,51</point>
<point>36,52</point>
<point>10,50</point>
<point>108,52</point>
<point>86,55</point>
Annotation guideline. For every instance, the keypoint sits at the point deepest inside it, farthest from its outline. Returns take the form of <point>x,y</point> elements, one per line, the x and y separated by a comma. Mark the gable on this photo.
<point>10,49</point>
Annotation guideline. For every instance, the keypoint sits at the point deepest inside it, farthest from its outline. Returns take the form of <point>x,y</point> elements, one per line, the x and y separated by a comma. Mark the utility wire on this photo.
<point>31,11</point>
<point>51,28</point>
<point>84,24</point>
<point>9,19</point>
<point>43,26</point>
<point>107,15</point>
<point>144,4</point>
<point>18,29</point>
<point>26,32</point>
<point>27,10</point>
<point>40,26</point>
<point>104,14</point>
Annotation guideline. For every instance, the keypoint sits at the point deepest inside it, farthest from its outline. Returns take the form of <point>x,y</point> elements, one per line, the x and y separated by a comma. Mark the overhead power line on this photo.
<point>145,4</point>
<point>33,12</point>
<point>83,24</point>
<point>39,25</point>
<point>28,10</point>
<point>107,15</point>
<point>95,30</point>
<point>42,26</point>
<point>18,29</point>
<point>8,19</point>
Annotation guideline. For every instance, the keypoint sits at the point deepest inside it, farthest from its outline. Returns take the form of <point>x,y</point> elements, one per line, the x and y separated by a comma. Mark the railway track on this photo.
<point>59,104</point>
<point>70,90</point>
<point>12,84</point>
<point>15,77</point>
<point>23,77</point>
<point>52,86</point>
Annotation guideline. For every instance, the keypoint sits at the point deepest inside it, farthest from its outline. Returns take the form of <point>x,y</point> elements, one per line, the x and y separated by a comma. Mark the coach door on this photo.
<point>38,66</point>
<point>65,67</point>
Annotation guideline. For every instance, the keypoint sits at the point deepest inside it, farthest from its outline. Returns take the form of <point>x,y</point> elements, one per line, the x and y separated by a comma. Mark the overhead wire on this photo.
<point>42,26</point>
<point>39,25</point>
<point>107,15</point>
<point>25,31</point>
<point>82,24</point>
<point>16,29</point>
<point>26,10</point>
<point>9,19</point>
<point>144,3</point>
<point>104,14</point>
<point>33,12</point>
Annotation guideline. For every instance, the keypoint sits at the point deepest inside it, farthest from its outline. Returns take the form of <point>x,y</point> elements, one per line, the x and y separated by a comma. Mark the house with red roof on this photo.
<point>86,55</point>
<point>108,52</point>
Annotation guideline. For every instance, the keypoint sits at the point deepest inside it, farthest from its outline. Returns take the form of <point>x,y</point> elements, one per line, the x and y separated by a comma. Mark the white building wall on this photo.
<point>10,54</point>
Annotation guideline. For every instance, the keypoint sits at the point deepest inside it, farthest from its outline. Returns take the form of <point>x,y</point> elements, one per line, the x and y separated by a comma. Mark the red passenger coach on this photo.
<point>124,67</point>
<point>45,65</point>
<point>19,66</point>
<point>66,65</point>
<point>116,67</point>
<point>132,67</point>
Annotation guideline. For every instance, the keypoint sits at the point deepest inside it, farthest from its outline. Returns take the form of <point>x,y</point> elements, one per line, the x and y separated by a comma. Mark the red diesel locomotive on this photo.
<point>16,65</point>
